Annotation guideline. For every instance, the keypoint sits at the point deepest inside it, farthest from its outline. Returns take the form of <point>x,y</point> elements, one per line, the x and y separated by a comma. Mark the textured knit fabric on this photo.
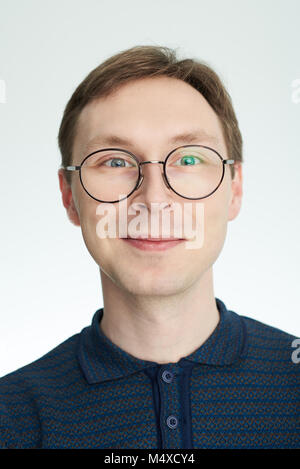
<point>239,389</point>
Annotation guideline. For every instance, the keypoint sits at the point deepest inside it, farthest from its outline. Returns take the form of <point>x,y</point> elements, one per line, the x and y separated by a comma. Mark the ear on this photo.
<point>236,192</point>
<point>67,198</point>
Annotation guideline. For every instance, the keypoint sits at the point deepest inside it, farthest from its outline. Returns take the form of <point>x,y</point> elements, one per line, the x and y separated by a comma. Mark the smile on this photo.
<point>153,244</point>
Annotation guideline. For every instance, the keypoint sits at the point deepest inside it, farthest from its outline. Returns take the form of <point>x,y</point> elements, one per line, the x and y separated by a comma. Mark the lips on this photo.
<point>153,244</point>
<point>154,239</point>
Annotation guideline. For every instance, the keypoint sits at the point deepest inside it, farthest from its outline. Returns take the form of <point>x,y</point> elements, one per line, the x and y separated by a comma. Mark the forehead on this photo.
<point>149,113</point>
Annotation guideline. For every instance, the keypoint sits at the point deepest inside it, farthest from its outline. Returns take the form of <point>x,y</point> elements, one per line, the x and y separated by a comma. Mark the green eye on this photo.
<point>189,160</point>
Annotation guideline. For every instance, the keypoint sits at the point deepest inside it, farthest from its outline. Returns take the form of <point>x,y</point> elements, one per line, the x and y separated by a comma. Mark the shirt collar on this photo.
<point>102,360</point>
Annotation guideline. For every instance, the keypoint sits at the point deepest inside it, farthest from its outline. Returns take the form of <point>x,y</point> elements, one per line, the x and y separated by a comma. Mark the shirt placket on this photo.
<point>170,417</point>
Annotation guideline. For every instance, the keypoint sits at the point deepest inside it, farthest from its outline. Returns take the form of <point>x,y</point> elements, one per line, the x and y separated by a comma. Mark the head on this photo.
<point>145,95</point>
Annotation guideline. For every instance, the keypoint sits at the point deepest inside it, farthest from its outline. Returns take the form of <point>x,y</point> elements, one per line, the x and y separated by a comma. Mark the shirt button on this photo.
<point>172,421</point>
<point>167,376</point>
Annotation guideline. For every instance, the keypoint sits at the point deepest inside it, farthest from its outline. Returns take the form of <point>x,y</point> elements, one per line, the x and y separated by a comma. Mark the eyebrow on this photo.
<point>185,137</point>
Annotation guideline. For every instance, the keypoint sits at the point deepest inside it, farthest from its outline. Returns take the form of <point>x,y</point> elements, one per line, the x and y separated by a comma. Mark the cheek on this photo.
<point>215,222</point>
<point>216,225</point>
<point>89,220</point>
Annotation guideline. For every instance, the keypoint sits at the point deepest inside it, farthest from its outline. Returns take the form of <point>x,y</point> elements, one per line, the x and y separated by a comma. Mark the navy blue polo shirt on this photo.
<point>239,389</point>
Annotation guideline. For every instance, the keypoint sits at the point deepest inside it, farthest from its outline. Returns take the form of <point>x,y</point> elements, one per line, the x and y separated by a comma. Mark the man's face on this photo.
<point>148,113</point>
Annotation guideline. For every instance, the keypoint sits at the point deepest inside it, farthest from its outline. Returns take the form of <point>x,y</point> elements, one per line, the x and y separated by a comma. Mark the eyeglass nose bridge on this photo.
<point>163,174</point>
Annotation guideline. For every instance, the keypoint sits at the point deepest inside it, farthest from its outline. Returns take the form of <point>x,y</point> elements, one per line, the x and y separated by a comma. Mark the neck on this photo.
<point>159,329</point>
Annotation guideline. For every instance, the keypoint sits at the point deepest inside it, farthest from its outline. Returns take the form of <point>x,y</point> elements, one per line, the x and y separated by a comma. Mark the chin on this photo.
<point>152,284</point>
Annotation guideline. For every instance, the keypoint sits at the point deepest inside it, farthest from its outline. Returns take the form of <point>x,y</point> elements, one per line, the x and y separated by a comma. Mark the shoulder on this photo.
<point>25,392</point>
<point>60,357</point>
<point>270,347</point>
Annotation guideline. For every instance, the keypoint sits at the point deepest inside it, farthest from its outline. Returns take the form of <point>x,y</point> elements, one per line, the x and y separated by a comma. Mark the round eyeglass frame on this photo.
<point>140,177</point>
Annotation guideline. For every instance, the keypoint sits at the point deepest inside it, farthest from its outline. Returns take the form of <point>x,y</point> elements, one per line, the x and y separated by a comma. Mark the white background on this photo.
<point>50,286</point>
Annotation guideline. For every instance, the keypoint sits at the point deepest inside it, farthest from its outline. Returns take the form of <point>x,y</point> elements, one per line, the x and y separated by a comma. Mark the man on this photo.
<point>164,364</point>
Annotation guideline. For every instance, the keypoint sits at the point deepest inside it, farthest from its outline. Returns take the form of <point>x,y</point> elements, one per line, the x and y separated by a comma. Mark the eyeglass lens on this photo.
<point>192,172</point>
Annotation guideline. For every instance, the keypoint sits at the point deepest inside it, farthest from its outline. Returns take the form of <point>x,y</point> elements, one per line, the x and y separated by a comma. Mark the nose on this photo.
<point>154,175</point>
<point>156,194</point>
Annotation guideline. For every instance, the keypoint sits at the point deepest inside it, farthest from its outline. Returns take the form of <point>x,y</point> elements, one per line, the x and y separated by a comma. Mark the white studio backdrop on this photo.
<point>50,286</point>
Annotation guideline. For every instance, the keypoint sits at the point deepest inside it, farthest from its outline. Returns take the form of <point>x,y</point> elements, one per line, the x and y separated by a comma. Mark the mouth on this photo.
<point>153,244</point>
<point>154,239</point>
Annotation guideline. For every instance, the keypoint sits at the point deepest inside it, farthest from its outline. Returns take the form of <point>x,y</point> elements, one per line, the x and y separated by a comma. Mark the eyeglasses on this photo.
<point>198,175</point>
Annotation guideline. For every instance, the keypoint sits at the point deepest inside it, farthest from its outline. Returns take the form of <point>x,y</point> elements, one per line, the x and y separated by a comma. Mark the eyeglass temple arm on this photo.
<point>71,168</point>
<point>228,161</point>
